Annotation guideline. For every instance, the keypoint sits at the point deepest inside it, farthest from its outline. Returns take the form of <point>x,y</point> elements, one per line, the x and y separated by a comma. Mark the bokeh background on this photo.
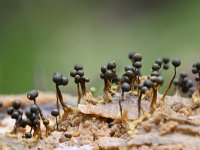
<point>38,38</point>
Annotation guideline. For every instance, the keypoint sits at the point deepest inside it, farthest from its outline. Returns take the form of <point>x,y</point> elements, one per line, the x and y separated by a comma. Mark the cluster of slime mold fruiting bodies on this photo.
<point>78,74</point>
<point>131,82</point>
<point>108,73</point>
<point>196,70</point>
<point>16,113</point>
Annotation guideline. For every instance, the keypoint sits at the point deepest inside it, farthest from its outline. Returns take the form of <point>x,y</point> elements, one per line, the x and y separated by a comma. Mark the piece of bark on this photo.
<point>111,143</point>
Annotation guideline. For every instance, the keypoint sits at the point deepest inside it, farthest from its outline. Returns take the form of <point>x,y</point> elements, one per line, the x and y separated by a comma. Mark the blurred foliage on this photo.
<point>38,38</point>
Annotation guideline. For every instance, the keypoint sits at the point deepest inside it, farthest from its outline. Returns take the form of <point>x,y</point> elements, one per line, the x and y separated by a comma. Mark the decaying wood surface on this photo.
<point>176,127</point>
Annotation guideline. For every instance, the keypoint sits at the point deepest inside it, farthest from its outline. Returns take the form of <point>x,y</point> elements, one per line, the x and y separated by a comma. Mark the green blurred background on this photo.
<point>38,38</point>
